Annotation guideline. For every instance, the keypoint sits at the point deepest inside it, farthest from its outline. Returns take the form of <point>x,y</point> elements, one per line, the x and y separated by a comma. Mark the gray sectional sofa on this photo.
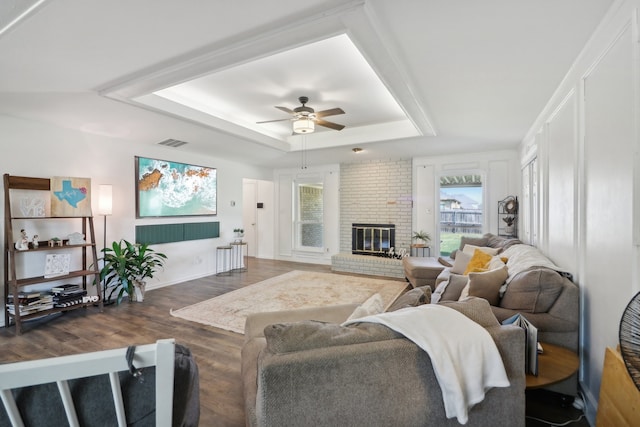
<point>300,372</point>
<point>300,367</point>
<point>537,288</point>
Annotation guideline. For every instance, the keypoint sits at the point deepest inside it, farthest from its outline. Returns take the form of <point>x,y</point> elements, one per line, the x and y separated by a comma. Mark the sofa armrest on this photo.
<point>255,324</point>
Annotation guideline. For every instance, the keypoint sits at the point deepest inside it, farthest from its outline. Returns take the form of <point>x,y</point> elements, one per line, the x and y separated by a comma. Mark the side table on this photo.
<point>239,256</point>
<point>420,250</point>
<point>223,260</point>
<point>554,365</point>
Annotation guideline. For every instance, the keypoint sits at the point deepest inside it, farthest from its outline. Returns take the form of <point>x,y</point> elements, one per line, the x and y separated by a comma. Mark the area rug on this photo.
<point>296,289</point>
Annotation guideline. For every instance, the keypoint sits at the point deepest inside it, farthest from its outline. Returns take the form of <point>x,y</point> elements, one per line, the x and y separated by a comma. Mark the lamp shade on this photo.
<point>105,199</point>
<point>304,125</point>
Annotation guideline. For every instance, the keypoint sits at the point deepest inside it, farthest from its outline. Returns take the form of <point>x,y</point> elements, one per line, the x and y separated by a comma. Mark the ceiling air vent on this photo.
<point>172,143</point>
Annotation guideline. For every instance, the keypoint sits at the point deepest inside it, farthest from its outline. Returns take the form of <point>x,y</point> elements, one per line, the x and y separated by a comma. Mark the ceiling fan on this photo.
<point>305,118</point>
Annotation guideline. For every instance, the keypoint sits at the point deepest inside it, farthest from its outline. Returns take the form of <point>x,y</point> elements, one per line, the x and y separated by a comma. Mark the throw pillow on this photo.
<point>311,334</point>
<point>478,262</point>
<point>471,249</point>
<point>533,290</point>
<point>496,262</point>
<point>476,309</point>
<point>487,284</point>
<point>453,288</point>
<point>373,305</point>
<point>412,298</point>
<point>460,263</point>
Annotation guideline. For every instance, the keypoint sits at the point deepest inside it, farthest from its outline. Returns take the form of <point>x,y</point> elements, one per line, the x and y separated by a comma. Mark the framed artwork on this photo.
<point>30,203</point>
<point>56,265</point>
<point>70,196</point>
<point>165,188</point>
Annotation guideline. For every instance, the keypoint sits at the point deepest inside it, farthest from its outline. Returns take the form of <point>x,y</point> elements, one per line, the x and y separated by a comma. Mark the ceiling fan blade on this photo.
<point>271,121</point>
<point>331,112</point>
<point>331,125</point>
<point>286,110</point>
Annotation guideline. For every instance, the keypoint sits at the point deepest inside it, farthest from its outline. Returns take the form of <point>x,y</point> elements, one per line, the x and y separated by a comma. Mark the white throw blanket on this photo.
<point>523,257</point>
<point>465,359</point>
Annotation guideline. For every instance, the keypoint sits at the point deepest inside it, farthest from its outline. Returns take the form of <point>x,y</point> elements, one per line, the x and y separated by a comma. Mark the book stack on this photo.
<point>29,302</point>
<point>67,295</point>
<point>530,343</point>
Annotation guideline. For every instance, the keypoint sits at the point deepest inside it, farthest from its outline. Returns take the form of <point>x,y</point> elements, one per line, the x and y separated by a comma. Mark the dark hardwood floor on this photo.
<point>217,352</point>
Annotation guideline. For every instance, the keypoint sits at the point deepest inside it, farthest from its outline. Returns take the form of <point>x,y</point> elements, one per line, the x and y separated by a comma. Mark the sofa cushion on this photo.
<point>476,241</point>
<point>533,290</point>
<point>503,243</point>
<point>487,284</point>
<point>413,298</point>
<point>310,334</point>
<point>451,289</point>
<point>476,309</point>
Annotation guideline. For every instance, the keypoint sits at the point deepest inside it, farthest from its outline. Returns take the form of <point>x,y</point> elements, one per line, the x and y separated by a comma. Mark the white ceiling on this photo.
<point>415,77</point>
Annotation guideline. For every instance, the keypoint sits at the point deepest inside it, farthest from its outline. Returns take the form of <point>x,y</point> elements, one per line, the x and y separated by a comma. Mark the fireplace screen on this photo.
<point>372,239</point>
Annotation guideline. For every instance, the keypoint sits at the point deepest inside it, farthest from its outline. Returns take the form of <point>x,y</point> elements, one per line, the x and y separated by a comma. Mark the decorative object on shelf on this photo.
<point>76,239</point>
<point>70,196</point>
<point>238,233</point>
<point>56,265</point>
<point>30,203</point>
<point>22,244</point>
<point>511,205</point>
<point>166,188</point>
<point>509,220</point>
<point>508,213</point>
<point>126,265</point>
<point>55,241</point>
<point>630,339</point>
<point>422,236</point>
<point>34,241</point>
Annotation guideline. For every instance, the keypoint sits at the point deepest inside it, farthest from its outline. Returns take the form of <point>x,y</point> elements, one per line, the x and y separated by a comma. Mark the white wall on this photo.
<point>500,173</point>
<point>40,150</point>
<point>587,146</point>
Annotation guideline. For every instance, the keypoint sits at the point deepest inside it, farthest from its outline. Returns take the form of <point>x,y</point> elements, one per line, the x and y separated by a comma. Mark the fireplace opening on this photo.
<point>372,239</point>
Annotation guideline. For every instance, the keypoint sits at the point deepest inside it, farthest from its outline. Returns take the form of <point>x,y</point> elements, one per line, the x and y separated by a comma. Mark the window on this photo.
<point>461,209</point>
<point>309,225</point>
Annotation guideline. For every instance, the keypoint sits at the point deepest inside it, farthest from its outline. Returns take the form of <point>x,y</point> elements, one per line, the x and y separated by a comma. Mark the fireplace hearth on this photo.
<point>372,239</point>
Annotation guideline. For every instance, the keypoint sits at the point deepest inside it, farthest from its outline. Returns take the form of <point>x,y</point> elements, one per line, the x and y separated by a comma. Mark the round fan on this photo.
<point>630,338</point>
<point>304,112</point>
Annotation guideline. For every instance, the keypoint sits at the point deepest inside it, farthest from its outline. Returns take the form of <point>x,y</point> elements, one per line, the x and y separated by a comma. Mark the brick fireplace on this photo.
<point>377,192</point>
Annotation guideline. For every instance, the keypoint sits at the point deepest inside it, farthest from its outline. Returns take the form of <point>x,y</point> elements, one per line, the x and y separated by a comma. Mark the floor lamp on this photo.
<point>105,208</point>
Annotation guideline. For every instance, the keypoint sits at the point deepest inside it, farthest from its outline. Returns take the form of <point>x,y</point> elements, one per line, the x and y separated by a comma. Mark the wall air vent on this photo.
<point>172,143</point>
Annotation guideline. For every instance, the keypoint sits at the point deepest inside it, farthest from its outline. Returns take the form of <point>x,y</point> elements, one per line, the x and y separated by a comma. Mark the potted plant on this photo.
<point>423,236</point>
<point>126,266</point>
<point>238,233</point>
<point>509,220</point>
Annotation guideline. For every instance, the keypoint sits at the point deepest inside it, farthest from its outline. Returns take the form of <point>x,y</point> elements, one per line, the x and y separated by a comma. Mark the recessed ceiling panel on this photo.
<point>331,73</point>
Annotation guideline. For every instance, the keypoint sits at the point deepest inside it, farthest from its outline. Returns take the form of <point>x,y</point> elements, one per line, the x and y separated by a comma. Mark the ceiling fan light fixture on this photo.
<point>303,125</point>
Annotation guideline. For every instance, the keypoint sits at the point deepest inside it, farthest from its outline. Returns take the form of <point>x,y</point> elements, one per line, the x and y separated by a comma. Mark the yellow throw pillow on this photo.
<point>478,262</point>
